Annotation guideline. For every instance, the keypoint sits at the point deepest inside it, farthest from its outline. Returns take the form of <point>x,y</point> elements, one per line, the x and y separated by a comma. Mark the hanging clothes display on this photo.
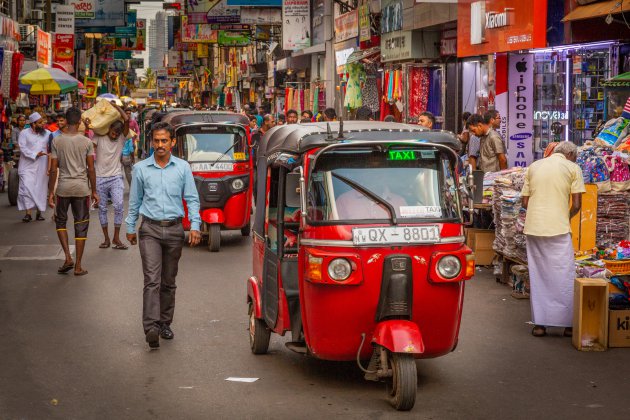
<point>434,103</point>
<point>369,87</point>
<point>353,99</point>
<point>7,63</point>
<point>419,83</point>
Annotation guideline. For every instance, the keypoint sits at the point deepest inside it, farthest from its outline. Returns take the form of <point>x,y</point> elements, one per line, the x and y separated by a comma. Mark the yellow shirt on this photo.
<point>549,184</point>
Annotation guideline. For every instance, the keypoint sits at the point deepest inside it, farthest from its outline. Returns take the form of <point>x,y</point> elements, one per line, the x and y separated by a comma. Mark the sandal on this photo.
<point>120,246</point>
<point>80,273</point>
<point>104,245</point>
<point>65,268</point>
<point>539,331</point>
<point>39,217</point>
<point>27,218</point>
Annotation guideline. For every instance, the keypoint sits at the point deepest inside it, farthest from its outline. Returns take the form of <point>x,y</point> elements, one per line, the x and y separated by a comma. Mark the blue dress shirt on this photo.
<point>157,192</point>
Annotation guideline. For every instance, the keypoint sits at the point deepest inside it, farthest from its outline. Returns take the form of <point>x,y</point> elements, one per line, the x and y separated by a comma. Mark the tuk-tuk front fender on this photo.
<point>212,216</point>
<point>399,336</point>
<point>253,296</point>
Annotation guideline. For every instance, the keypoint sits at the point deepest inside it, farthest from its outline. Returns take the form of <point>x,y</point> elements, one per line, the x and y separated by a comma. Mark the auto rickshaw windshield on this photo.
<point>359,185</point>
<point>212,143</point>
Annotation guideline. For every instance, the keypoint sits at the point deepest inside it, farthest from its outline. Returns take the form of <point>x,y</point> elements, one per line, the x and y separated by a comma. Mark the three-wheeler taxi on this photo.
<point>358,247</point>
<point>217,146</point>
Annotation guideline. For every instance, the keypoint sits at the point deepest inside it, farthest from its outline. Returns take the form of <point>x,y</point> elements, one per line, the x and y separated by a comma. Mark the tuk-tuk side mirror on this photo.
<point>292,190</point>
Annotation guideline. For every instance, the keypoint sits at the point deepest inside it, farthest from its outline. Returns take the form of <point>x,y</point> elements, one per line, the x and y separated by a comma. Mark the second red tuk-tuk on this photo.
<point>359,247</point>
<point>217,146</point>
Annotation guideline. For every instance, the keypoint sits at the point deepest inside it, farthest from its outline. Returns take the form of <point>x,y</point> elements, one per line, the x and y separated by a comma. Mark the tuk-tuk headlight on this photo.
<point>339,269</point>
<point>449,267</point>
<point>238,184</point>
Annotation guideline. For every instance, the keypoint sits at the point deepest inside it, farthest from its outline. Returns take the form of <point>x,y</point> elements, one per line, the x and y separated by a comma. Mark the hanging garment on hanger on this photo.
<point>315,109</point>
<point>369,88</point>
<point>390,86</point>
<point>434,101</point>
<point>353,98</point>
<point>7,62</point>
<point>301,102</point>
<point>287,92</point>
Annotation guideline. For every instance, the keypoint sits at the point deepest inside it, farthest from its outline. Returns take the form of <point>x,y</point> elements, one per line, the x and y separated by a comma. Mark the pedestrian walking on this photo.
<point>159,184</point>
<point>128,159</point>
<point>72,169</point>
<point>33,168</point>
<point>549,184</point>
<point>109,177</point>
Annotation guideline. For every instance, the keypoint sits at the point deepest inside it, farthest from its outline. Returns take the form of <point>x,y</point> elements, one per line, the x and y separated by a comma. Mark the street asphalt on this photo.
<point>73,348</point>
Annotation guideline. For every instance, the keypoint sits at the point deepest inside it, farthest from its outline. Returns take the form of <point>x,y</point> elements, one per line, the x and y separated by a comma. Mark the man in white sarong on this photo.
<point>549,184</point>
<point>33,168</point>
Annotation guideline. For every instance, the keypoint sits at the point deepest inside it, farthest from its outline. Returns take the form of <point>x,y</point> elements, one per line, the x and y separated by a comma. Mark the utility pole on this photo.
<point>48,16</point>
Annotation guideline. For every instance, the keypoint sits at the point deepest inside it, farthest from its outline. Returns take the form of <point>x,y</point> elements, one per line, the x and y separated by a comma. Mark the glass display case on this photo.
<point>616,92</point>
<point>591,68</point>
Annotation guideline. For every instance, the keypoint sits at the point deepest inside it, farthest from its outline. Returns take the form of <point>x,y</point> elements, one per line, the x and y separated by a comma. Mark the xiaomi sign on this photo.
<point>489,26</point>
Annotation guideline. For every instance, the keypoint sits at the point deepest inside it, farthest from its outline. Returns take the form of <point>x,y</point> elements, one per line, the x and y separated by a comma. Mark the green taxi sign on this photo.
<point>401,155</point>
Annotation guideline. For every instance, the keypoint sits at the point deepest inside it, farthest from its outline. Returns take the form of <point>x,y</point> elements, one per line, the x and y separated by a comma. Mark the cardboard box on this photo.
<point>619,328</point>
<point>480,241</point>
<point>590,314</point>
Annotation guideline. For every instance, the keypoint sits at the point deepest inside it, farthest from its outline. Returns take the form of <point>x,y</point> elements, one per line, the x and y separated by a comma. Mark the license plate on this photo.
<point>217,167</point>
<point>396,235</point>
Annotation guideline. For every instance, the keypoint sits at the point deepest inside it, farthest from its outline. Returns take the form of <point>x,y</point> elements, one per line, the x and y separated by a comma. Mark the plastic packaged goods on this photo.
<point>509,216</point>
<point>101,116</point>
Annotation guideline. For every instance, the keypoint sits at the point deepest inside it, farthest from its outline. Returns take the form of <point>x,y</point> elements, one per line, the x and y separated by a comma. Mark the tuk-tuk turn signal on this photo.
<point>314,268</point>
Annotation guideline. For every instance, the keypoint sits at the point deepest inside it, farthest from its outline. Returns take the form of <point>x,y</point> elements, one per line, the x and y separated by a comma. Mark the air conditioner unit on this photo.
<point>27,33</point>
<point>37,15</point>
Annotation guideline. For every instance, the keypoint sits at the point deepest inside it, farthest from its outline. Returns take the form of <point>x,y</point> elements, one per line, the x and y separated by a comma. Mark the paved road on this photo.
<point>73,348</point>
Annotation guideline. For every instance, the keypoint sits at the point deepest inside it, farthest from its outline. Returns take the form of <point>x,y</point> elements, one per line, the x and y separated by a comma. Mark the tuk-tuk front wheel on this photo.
<point>402,387</point>
<point>214,237</point>
<point>259,333</point>
<point>245,231</point>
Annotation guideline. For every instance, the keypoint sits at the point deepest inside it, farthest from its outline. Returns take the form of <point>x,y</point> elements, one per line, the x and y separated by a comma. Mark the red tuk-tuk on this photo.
<point>217,146</point>
<point>359,247</point>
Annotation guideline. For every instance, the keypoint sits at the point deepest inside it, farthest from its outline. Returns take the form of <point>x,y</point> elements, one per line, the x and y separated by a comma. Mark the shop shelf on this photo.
<point>590,315</point>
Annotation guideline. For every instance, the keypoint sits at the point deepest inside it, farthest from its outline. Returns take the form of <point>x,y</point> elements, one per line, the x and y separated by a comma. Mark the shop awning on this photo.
<point>370,55</point>
<point>597,10</point>
<point>623,80</point>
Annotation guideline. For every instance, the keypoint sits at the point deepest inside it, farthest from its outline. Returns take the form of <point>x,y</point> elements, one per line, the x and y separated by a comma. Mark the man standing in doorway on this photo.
<point>549,184</point>
<point>491,156</point>
<point>73,156</point>
<point>109,177</point>
<point>159,184</point>
<point>33,168</point>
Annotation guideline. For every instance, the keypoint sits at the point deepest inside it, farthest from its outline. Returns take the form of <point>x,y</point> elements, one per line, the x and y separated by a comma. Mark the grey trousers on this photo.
<point>160,249</point>
<point>128,167</point>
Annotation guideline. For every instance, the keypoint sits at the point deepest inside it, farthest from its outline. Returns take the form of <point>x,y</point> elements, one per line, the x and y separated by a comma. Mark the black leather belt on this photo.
<point>163,223</point>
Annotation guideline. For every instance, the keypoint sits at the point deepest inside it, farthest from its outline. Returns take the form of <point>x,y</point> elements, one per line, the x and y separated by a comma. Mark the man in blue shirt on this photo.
<point>158,185</point>
<point>128,158</point>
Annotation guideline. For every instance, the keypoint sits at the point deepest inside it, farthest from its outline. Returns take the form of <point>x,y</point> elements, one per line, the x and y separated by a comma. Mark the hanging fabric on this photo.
<point>418,90</point>
<point>353,98</point>
<point>369,88</point>
<point>7,63</point>
<point>315,100</point>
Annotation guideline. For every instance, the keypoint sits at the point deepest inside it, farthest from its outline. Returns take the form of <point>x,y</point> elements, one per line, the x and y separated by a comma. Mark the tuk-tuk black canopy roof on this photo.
<point>178,118</point>
<point>298,138</point>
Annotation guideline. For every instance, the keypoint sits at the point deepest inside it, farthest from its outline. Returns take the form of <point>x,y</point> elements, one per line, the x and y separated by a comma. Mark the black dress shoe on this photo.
<point>166,332</point>
<point>153,338</point>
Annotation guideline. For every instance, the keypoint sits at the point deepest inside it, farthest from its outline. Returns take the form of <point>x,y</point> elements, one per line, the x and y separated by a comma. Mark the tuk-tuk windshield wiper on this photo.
<point>228,150</point>
<point>370,194</point>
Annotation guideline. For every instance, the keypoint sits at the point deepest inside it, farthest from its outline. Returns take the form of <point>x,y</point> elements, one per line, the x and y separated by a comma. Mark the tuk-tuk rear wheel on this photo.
<point>259,333</point>
<point>13,185</point>
<point>402,387</point>
<point>214,237</point>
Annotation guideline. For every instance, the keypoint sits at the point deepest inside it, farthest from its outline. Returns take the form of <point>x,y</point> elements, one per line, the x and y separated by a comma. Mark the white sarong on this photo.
<point>33,170</point>
<point>551,265</point>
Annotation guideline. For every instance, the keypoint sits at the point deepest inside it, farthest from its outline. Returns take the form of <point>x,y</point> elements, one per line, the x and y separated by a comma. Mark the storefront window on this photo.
<point>590,69</point>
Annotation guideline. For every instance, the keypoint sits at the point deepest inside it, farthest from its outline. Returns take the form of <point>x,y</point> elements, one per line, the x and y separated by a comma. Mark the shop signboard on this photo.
<point>122,55</point>
<point>63,51</point>
<point>491,26</point>
<point>141,34</point>
<point>198,32</point>
<point>203,51</point>
<point>43,47</point>
<point>364,23</point>
<point>136,63</point>
<point>223,13</point>
<point>391,15</point>
<point>107,13</point>
<point>64,19</point>
<point>83,9</point>
<point>520,109</point>
<point>255,3</point>
<point>501,96</point>
<point>233,39</point>
<point>401,45</point>
<point>448,42</point>
<point>117,66</point>
<point>262,33</point>
<point>267,16</point>
<point>91,87</point>
<point>296,24</point>
<point>347,26</point>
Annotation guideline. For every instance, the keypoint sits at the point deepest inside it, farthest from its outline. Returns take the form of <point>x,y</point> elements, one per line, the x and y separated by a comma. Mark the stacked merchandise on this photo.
<point>488,185</point>
<point>613,210</point>
<point>509,217</point>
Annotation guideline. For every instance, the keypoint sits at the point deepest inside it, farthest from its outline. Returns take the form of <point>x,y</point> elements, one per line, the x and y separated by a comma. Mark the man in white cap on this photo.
<point>33,168</point>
